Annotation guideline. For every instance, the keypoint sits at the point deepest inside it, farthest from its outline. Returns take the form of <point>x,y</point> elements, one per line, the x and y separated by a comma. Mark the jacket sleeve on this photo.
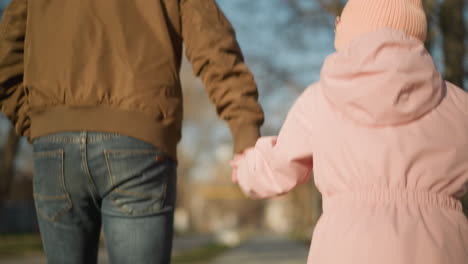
<point>277,164</point>
<point>13,101</point>
<point>215,55</point>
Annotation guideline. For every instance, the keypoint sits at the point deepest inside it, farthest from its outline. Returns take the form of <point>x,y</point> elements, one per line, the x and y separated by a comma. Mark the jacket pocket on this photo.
<point>50,195</point>
<point>139,181</point>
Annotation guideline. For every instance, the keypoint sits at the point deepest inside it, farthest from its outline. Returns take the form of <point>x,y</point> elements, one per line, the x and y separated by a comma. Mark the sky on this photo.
<point>3,3</point>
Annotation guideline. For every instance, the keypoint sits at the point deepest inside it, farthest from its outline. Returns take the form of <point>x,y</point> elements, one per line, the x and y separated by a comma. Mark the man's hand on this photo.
<point>234,165</point>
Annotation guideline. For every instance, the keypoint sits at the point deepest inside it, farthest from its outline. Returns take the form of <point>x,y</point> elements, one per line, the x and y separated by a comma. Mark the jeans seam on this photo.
<point>84,164</point>
<point>129,212</point>
<point>49,197</point>
<point>120,208</point>
<point>48,153</point>
<point>106,155</point>
<point>103,137</point>
<point>58,139</point>
<point>142,195</point>
<point>59,214</point>
<point>74,139</point>
<point>62,172</point>
<point>133,151</point>
<point>161,199</point>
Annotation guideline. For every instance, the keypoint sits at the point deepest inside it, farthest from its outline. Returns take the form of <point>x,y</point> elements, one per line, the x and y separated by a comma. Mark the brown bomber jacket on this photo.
<point>113,66</point>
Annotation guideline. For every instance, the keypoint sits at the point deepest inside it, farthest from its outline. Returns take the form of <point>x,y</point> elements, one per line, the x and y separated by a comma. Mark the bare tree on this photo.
<point>431,7</point>
<point>7,168</point>
<point>333,7</point>
<point>452,26</point>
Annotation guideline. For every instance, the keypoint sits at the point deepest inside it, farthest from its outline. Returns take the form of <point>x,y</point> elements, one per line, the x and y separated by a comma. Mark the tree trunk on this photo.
<point>430,7</point>
<point>453,32</point>
<point>7,165</point>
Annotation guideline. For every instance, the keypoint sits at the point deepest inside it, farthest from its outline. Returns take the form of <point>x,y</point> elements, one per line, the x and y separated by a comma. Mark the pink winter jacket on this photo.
<point>387,139</point>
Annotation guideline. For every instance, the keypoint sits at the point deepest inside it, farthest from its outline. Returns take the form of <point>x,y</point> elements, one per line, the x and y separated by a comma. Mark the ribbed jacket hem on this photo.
<point>162,134</point>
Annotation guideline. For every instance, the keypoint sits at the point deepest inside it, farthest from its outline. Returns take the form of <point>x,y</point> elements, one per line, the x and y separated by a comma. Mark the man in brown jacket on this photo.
<point>95,86</point>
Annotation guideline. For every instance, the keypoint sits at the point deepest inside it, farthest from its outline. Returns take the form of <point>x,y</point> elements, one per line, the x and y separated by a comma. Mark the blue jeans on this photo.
<point>83,180</point>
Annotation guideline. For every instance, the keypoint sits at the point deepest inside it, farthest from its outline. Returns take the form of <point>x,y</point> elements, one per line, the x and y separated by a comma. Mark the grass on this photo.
<point>20,245</point>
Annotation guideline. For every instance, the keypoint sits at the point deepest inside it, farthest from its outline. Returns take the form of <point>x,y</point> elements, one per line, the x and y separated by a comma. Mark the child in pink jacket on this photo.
<point>387,139</point>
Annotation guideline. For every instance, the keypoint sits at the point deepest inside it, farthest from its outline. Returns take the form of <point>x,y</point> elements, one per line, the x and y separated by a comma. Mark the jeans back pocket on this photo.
<point>50,195</point>
<point>139,181</point>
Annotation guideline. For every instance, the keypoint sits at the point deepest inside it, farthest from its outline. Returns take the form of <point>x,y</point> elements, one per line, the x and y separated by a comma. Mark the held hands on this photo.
<point>235,164</point>
<point>238,157</point>
<point>251,170</point>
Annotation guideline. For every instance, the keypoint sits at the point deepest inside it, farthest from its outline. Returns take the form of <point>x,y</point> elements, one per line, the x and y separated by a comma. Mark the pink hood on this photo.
<point>388,65</point>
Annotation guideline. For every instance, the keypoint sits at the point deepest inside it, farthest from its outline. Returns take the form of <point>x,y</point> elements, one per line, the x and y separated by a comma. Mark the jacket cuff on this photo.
<point>245,136</point>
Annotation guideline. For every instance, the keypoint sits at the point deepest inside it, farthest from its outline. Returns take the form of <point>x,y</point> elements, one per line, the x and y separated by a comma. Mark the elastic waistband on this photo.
<point>389,196</point>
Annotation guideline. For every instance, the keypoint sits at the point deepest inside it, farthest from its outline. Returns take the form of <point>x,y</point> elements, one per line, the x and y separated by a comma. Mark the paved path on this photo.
<point>266,249</point>
<point>181,244</point>
<point>187,243</point>
<point>40,259</point>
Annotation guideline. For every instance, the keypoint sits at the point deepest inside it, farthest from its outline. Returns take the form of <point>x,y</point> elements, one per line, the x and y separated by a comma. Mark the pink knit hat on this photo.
<point>364,16</point>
